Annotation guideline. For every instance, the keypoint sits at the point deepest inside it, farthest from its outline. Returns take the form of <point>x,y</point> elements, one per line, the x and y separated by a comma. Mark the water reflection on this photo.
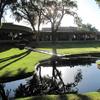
<point>77,78</point>
<point>72,61</point>
<point>48,86</point>
<point>3,94</point>
<point>90,76</point>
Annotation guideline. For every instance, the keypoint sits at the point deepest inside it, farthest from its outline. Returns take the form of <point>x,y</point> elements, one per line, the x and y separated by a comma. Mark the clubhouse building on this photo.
<point>9,31</point>
<point>69,34</point>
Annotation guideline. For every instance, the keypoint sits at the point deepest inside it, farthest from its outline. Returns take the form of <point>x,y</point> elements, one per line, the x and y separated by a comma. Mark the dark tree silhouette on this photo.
<point>47,86</point>
<point>43,11</point>
<point>2,92</point>
<point>29,11</point>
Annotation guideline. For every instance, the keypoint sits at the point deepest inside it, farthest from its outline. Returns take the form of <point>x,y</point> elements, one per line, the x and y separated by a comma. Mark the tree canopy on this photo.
<point>43,11</point>
<point>98,1</point>
<point>28,10</point>
<point>55,10</point>
<point>3,5</point>
<point>38,12</point>
<point>88,27</point>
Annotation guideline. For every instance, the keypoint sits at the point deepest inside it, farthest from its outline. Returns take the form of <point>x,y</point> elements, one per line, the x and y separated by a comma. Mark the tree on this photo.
<point>88,27</point>
<point>39,11</point>
<point>3,5</point>
<point>2,92</point>
<point>44,11</point>
<point>23,10</point>
<point>29,11</point>
<point>98,2</point>
<point>48,86</point>
<point>55,10</point>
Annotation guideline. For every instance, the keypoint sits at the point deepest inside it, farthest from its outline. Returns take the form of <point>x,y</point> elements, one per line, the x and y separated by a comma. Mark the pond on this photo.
<point>89,74</point>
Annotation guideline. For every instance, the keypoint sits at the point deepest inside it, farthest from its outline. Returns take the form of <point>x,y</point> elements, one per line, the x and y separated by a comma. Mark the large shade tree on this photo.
<point>23,9</point>
<point>39,11</point>
<point>3,5</point>
<point>28,10</point>
<point>55,10</point>
<point>44,11</point>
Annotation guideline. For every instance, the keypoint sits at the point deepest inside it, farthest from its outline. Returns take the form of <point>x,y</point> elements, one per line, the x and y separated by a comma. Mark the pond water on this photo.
<point>11,86</point>
<point>90,74</point>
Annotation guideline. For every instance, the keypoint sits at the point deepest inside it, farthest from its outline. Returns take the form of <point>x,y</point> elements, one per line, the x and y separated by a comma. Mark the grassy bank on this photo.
<point>15,63</point>
<point>86,96</point>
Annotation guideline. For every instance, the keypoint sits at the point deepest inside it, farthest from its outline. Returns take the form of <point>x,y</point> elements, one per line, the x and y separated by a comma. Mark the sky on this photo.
<point>88,10</point>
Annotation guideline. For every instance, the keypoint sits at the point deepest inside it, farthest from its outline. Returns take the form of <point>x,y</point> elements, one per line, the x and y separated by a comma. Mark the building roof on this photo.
<point>61,29</point>
<point>15,28</point>
<point>70,30</point>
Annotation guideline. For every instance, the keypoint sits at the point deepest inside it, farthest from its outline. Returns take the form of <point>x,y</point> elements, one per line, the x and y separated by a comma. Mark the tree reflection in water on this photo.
<point>39,85</point>
<point>48,86</point>
<point>4,94</point>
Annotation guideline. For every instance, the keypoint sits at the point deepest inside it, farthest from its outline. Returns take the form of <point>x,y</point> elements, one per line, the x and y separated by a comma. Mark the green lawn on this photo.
<point>86,96</point>
<point>69,48</point>
<point>15,63</point>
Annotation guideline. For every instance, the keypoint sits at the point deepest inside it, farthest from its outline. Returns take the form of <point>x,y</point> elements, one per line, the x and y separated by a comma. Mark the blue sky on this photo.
<point>88,10</point>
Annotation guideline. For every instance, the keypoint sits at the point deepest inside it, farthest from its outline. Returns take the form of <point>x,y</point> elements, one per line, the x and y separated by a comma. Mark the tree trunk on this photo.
<point>0,22</point>
<point>0,18</point>
<point>54,51</point>
<point>2,6</point>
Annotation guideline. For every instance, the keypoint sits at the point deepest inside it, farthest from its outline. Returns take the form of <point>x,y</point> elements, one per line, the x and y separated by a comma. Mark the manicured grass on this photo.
<point>86,96</point>
<point>15,63</point>
<point>69,48</point>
